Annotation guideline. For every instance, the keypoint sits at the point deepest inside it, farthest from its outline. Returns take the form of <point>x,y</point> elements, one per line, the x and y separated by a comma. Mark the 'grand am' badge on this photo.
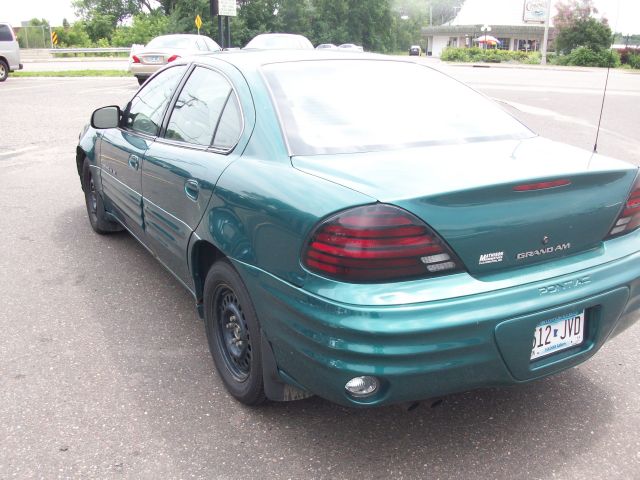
<point>544,251</point>
<point>495,257</point>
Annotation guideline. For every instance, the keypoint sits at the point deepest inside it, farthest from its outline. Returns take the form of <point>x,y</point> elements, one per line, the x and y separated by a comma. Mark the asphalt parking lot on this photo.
<point>105,370</point>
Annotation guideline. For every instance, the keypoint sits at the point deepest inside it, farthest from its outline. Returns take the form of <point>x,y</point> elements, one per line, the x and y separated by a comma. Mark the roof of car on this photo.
<point>253,59</point>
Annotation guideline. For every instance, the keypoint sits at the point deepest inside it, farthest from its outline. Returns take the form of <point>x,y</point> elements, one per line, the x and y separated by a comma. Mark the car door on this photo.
<point>122,149</point>
<point>182,166</point>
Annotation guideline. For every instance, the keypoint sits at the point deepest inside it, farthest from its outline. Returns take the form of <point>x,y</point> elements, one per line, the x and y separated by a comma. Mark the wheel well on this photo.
<point>4,59</point>
<point>203,256</point>
<point>80,156</point>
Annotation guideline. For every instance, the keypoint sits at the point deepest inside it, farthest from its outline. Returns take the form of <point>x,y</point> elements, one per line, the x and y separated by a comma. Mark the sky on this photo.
<point>627,20</point>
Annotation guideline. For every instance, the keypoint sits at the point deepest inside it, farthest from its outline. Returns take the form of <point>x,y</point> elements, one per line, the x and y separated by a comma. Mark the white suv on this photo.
<point>9,51</point>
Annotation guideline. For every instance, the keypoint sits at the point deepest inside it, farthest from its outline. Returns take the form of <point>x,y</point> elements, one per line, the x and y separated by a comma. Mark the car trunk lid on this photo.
<point>493,202</point>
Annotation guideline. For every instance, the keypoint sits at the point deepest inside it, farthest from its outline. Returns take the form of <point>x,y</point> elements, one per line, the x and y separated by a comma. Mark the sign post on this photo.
<point>198,23</point>
<point>486,29</point>
<point>226,9</point>
<point>545,40</point>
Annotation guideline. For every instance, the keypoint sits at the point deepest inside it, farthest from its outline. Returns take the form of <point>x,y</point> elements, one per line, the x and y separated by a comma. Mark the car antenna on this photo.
<point>606,84</point>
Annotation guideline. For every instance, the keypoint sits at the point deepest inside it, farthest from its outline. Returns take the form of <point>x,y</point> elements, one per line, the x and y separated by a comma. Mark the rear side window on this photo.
<point>148,106</point>
<point>6,35</point>
<point>230,126</point>
<point>197,113</point>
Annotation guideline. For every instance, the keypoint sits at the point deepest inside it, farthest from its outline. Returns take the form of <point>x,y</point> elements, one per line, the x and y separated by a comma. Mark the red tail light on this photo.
<point>135,59</point>
<point>629,218</point>
<point>172,58</point>
<point>377,243</point>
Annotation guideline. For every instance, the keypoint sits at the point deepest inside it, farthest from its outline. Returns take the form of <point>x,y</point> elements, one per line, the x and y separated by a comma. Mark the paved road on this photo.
<point>105,372</point>
<point>58,65</point>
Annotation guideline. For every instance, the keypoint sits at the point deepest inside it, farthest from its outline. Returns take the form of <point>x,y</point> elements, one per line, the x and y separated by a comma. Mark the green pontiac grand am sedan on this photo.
<point>345,237</point>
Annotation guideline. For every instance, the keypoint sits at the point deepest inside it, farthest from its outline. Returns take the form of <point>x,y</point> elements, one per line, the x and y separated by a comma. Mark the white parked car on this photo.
<point>9,51</point>
<point>326,46</point>
<point>165,49</point>
<point>350,47</point>
<point>279,41</point>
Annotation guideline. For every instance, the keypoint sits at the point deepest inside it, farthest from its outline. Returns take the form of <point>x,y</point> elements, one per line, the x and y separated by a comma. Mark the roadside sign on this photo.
<point>224,8</point>
<point>54,38</point>
<point>198,23</point>
<point>535,11</point>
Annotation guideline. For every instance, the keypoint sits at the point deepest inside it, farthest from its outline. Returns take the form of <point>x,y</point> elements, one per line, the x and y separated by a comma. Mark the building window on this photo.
<point>526,45</point>
<point>453,42</point>
<point>504,43</point>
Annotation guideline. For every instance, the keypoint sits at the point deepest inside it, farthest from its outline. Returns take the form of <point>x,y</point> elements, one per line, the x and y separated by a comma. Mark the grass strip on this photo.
<point>74,73</point>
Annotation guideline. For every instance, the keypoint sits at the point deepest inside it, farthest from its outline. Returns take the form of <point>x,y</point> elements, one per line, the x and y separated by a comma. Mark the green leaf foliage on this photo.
<point>586,57</point>
<point>589,33</point>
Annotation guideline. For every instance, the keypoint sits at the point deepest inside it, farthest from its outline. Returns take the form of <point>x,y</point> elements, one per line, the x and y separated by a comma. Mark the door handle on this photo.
<point>192,189</point>
<point>134,162</point>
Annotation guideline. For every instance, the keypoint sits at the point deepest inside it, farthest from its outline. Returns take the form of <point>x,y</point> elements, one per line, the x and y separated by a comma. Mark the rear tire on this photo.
<point>4,70</point>
<point>233,333</point>
<point>95,208</point>
<point>141,80</point>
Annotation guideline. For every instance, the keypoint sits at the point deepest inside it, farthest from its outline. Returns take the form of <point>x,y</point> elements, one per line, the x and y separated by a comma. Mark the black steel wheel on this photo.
<point>233,333</point>
<point>95,209</point>
<point>4,70</point>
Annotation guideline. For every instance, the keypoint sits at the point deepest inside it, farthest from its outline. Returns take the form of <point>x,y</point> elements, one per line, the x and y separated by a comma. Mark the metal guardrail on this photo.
<point>90,50</point>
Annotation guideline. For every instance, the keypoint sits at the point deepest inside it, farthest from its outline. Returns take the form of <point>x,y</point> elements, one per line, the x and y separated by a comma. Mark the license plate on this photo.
<point>153,59</point>
<point>557,334</point>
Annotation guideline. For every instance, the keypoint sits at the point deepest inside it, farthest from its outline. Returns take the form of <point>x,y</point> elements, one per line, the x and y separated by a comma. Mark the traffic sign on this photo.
<point>224,8</point>
<point>198,23</point>
<point>54,38</point>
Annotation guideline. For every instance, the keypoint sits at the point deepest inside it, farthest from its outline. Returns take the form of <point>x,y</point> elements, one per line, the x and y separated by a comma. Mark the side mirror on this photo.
<point>106,117</point>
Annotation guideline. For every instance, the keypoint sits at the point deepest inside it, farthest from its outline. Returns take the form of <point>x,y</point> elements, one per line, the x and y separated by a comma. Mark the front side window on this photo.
<point>147,108</point>
<point>197,112</point>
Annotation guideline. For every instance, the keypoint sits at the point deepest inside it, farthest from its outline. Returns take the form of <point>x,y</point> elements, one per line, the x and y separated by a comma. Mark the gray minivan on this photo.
<point>9,51</point>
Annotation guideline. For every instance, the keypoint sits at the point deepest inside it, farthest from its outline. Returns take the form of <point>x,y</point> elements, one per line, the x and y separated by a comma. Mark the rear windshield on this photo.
<point>348,106</point>
<point>172,42</point>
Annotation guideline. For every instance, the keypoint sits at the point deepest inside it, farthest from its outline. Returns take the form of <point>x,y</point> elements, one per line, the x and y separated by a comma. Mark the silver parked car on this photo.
<point>280,41</point>
<point>9,51</point>
<point>350,47</point>
<point>326,46</point>
<point>165,49</point>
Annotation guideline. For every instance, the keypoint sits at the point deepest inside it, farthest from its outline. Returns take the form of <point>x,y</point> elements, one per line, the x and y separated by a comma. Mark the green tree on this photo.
<point>74,36</point>
<point>144,27</point>
<point>35,34</point>
<point>578,28</point>
<point>293,16</point>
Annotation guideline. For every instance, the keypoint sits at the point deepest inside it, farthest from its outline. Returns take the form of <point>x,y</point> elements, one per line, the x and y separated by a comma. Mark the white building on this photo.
<point>518,24</point>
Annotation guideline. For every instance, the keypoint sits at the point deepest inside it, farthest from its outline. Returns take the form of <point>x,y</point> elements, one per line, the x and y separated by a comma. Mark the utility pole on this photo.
<point>545,41</point>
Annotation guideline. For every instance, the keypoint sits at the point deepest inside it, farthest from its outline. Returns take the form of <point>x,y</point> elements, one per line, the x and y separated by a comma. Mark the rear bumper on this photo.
<point>439,347</point>
<point>143,71</point>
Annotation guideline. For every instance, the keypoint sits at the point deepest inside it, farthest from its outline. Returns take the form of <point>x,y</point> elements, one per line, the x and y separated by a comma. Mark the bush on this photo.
<point>452,54</point>
<point>475,54</point>
<point>586,57</point>
<point>633,60</point>
<point>630,56</point>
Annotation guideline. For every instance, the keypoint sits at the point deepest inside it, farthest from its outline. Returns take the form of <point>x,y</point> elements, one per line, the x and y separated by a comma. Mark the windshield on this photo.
<point>346,106</point>
<point>172,41</point>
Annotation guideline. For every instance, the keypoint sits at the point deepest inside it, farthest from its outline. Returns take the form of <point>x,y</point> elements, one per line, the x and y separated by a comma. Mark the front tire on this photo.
<point>95,208</point>
<point>233,333</point>
<point>4,70</point>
